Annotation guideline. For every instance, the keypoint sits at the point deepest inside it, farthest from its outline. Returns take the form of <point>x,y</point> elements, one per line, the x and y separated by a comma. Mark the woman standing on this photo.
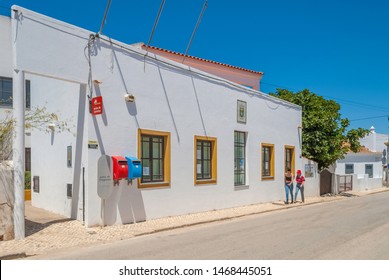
<point>289,186</point>
<point>299,186</point>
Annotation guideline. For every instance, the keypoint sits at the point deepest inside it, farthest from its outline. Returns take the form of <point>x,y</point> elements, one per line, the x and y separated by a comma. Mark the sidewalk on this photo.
<point>46,231</point>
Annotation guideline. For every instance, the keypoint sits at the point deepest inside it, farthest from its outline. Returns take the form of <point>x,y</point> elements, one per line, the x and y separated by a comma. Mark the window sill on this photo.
<point>153,185</point>
<point>268,178</point>
<point>204,182</point>
<point>241,187</point>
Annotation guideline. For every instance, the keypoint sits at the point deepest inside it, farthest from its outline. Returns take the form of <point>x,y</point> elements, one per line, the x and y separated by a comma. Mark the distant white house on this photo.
<point>366,168</point>
<point>203,142</point>
<point>375,142</point>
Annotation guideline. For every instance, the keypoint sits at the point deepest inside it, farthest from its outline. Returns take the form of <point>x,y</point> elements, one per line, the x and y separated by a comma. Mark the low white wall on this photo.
<point>364,183</point>
<point>7,200</point>
<point>49,149</point>
<point>312,179</point>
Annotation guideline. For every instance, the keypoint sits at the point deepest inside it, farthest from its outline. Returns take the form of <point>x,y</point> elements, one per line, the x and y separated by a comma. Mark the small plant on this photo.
<point>27,180</point>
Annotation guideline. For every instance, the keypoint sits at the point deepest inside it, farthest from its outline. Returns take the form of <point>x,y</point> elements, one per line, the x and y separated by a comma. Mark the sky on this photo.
<point>338,49</point>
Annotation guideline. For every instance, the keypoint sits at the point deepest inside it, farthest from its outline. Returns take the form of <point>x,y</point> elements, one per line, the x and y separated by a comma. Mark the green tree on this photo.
<point>324,134</point>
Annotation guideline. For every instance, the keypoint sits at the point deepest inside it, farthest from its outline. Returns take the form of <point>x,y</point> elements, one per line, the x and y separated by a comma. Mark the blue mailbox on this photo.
<point>134,167</point>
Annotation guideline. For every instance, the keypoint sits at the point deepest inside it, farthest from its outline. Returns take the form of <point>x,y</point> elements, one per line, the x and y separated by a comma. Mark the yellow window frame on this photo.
<point>271,163</point>
<point>292,169</point>
<point>166,162</point>
<point>213,179</point>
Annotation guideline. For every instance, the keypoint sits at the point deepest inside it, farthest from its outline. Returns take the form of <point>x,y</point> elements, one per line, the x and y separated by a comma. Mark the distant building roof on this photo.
<point>200,59</point>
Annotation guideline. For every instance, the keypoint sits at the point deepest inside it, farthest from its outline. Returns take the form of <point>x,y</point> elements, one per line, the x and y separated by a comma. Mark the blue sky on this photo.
<point>336,48</point>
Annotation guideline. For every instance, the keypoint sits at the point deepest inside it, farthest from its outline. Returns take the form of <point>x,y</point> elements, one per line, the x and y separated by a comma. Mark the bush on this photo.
<point>27,180</point>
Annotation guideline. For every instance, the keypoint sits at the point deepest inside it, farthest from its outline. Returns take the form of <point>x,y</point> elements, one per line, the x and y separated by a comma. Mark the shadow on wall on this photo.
<point>127,201</point>
<point>78,152</point>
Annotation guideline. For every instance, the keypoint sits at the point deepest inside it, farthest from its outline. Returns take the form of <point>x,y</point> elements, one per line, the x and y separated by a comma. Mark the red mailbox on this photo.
<point>120,168</point>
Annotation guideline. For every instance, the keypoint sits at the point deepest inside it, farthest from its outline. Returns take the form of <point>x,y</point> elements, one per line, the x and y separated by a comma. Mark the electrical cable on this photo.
<point>195,30</point>
<point>340,100</point>
<point>368,118</point>
<point>242,88</point>
<point>105,16</point>
<point>155,24</point>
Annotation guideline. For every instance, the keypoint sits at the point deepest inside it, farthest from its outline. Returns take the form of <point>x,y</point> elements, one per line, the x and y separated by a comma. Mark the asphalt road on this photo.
<point>355,228</point>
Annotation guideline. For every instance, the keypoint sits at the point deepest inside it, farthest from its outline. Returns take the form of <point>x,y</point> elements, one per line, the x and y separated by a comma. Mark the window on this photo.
<point>267,161</point>
<point>6,92</point>
<point>205,160</point>
<point>154,153</point>
<point>289,158</point>
<point>28,94</point>
<point>349,169</point>
<point>27,161</point>
<point>239,158</point>
<point>369,170</point>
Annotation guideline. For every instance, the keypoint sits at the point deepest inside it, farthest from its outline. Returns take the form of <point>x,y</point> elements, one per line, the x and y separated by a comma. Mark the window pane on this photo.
<point>207,169</point>
<point>198,151</point>
<point>145,149</point>
<point>349,169</point>
<point>157,149</point>
<point>28,94</point>
<point>369,170</point>
<point>207,152</point>
<point>266,168</point>
<point>5,91</point>
<point>239,158</point>
<point>152,158</point>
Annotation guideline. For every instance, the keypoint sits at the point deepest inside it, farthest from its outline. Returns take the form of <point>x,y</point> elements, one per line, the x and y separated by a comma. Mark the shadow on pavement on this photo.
<point>34,227</point>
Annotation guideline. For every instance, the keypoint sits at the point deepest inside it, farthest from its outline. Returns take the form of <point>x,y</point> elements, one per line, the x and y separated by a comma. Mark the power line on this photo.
<point>155,24</point>
<point>343,101</point>
<point>369,118</point>
<point>195,30</point>
<point>105,16</point>
<point>232,84</point>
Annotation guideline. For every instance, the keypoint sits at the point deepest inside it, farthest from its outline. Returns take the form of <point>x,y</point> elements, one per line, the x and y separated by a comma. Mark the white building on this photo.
<point>366,168</point>
<point>204,142</point>
<point>374,141</point>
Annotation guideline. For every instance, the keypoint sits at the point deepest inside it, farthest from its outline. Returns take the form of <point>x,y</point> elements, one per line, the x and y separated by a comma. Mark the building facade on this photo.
<point>203,142</point>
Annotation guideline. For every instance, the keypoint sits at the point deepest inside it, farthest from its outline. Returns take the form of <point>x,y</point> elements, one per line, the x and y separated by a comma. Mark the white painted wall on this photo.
<point>169,97</point>
<point>375,142</point>
<point>360,160</point>
<point>361,181</point>
<point>6,61</point>
<point>49,152</point>
<point>5,47</point>
<point>5,53</point>
<point>312,184</point>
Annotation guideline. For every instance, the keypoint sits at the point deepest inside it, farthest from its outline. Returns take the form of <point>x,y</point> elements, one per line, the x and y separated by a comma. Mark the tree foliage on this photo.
<point>325,136</point>
<point>35,119</point>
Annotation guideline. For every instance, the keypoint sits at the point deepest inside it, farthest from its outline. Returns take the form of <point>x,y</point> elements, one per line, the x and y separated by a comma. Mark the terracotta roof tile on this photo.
<point>202,59</point>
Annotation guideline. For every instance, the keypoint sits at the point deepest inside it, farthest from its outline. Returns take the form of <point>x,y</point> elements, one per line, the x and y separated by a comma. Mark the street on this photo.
<point>355,228</point>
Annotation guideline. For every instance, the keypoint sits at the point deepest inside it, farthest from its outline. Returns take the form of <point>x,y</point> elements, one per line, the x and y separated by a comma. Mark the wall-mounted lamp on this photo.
<point>51,126</point>
<point>129,97</point>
